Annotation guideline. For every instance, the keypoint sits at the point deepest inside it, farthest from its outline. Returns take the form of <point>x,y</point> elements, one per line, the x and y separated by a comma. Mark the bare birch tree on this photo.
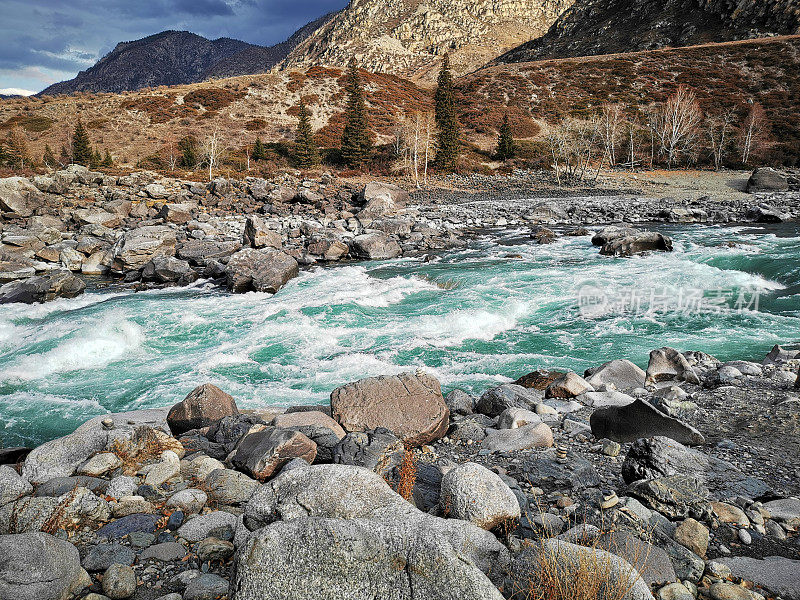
<point>681,126</point>
<point>719,128</point>
<point>212,152</point>
<point>752,133</point>
<point>611,121</point>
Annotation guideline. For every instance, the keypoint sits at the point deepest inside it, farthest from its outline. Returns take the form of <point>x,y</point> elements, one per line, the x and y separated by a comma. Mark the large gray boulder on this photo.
<point>12,486</point>
<point>510,395</point>
<point>331,559</point>
<point>378,450</point>
<point>60,457</point>
<point>257,234</point>
<point>777,574</point>
<point>767,179</point>
<point>474,493</point>
<point>37,566</point>
<point>61,284</point>
<point>410,404</point>
<point>266,270</point>
<point>647,241</point>
<point>349,492</point>
<point>623,374</point>
<point>666,364</point>
<point>640,419</point>
<point>375,246</point>
<point>19,197</point>
<point>204,405</point>
<point>563,565</point>
<point>660,456</point>
<point>135,248</point>
<point>262,454</point>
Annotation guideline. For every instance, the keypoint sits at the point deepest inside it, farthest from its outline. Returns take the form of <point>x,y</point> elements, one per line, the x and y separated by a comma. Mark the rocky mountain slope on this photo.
<point>175,58</point>
<point>408,37</point>
<point>591,27</point>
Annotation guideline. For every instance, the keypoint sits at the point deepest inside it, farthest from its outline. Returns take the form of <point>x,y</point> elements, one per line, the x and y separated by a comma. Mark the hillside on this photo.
<point>408,37</point>
<point>135,125</point>
<point>593,27</point>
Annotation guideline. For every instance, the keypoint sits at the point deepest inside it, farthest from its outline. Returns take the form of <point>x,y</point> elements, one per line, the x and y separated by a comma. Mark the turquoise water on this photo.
<point>474,318</point>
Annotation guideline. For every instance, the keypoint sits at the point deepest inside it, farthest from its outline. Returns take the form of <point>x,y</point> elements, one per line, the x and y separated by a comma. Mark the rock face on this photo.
<point>410,405</point>
<point>473,493</point>
<point>37,566</point>
<point>266,270</point>
<point>204,405</point>
<point>640,419</point>
<point>136,247</point>
<point>353,558</point>
<point>263,453</point>
<point>767,179</point>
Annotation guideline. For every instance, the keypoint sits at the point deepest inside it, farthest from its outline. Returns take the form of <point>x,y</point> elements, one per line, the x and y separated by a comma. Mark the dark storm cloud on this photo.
<point>50,40</point>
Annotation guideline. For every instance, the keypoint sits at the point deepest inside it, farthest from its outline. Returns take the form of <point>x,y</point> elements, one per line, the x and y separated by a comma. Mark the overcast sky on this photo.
<point>45,41</point>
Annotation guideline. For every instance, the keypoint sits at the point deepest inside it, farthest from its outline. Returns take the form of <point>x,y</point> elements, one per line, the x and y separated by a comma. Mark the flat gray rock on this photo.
<point>640,420</point>
<point>779,575</point>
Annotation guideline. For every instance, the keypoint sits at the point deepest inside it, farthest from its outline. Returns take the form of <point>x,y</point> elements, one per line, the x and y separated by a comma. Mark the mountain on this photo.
<point>409,37</point>
<point>176,58</point>
<point>592,27</point>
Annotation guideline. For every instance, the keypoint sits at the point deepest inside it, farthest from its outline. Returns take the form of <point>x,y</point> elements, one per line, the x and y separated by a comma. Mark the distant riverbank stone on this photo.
<point>262,454</point>
<point>667,363</point>
<point>568,385</point>
<point>378,560</point>
<point>410,405</point>
<point>567,561</point>
<point>375,246</point>
<point>258,235</point>
<point>767,179</point>
<point>38,566</point>
<point>204,405</point>
<point>640,419</point>
<point>623,374</point>
<point>265,270</point>
<point>473,493</point>
<point>495,400</point>
<point>647,241</point>
<point>136,247</point>
<point>19,197</point>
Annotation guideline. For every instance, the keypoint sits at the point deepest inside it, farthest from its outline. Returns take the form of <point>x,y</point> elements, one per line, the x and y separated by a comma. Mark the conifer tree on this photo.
<point>306,153</point>
<point>107,160</point>
<point>505,141</point>
<point>259,150</point>
<point>97,158</point>
<point>48,157</point>
<point>81,147</point>
<point>188,148</point>
<point>446,119</point>
<point>17,149</point>
<point>356,138</point>
<point>64,157</point>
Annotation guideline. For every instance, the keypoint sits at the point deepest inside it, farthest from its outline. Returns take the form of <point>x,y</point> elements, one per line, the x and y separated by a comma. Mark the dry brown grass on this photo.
<point>407,475</point>
<point>145,446</point>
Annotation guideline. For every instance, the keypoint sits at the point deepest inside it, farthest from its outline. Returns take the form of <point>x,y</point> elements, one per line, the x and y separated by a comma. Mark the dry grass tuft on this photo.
<point>408,475</point>
<point>144,446</point>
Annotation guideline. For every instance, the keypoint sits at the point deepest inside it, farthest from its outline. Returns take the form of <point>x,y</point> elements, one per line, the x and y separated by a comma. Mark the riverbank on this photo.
<point>685,469</point>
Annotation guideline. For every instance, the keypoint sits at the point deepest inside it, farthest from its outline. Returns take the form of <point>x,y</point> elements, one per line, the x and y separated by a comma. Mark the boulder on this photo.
<point>494,401</point>
<point>101,556</point>
<point>263,453</point>
<point>348,492</point>
<point>676,496</point>
<point>218,523</point>
<point>257,234</point>
<point>767,179</point>
<point>605,399</point>
<point>473,493</point>
<point>545,470</point>
<point>119,582</point>
<point>37,566</point>
<point>779,355</point>
<point>266,270</point>
<point>777,574</point>
<point>557,564</point>
<point>312,418</point>
<point>19,197</point>
<point>661,456</point>
<point>640,419</point>
<point>177,213</point>
<point>376,190</point>
<point>204,405</point>
<point>135,248</point>
<point>667,364</point>
<point>189,501</point>
<point>538,379</point>
<point>785,510</point>
<point>622,374</point>
<point>100,464</point>
<point>60,284</point>
<point>648,241</point>
<point>168,269</point>
<point>410,405</point>
<point>537,435</point>
<point>93,216</point>
<point>226,486</point>
<point>568,385</point>
<point>374,246</point>
<point>459,402</point>
<point>200,252</point>
<point>12,486</point>
<point>378,449</point>
<point>613,232</point>
<point>354,558</point>
<point>766,213</point>
<point>693,535</point>
<point>512,418</point>
<point>652,563</point>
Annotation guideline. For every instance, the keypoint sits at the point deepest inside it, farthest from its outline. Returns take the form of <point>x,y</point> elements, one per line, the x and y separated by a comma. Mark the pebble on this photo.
<point>119,581</point>
<point>745,537</point>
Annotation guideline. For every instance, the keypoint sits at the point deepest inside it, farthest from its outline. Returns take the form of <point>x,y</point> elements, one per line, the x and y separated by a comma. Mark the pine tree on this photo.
<point>356,138</point>
<point>107,160</point>
<point>446,119</point>
<point>81,147</point>
<point>259,150</point>
<point>17,149</point>
<point>48,157</point>
<point>97,159</point>
<point>505,141</point>
<point>64,157</point>
<point>306,153</point>
<point>188,148</point>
